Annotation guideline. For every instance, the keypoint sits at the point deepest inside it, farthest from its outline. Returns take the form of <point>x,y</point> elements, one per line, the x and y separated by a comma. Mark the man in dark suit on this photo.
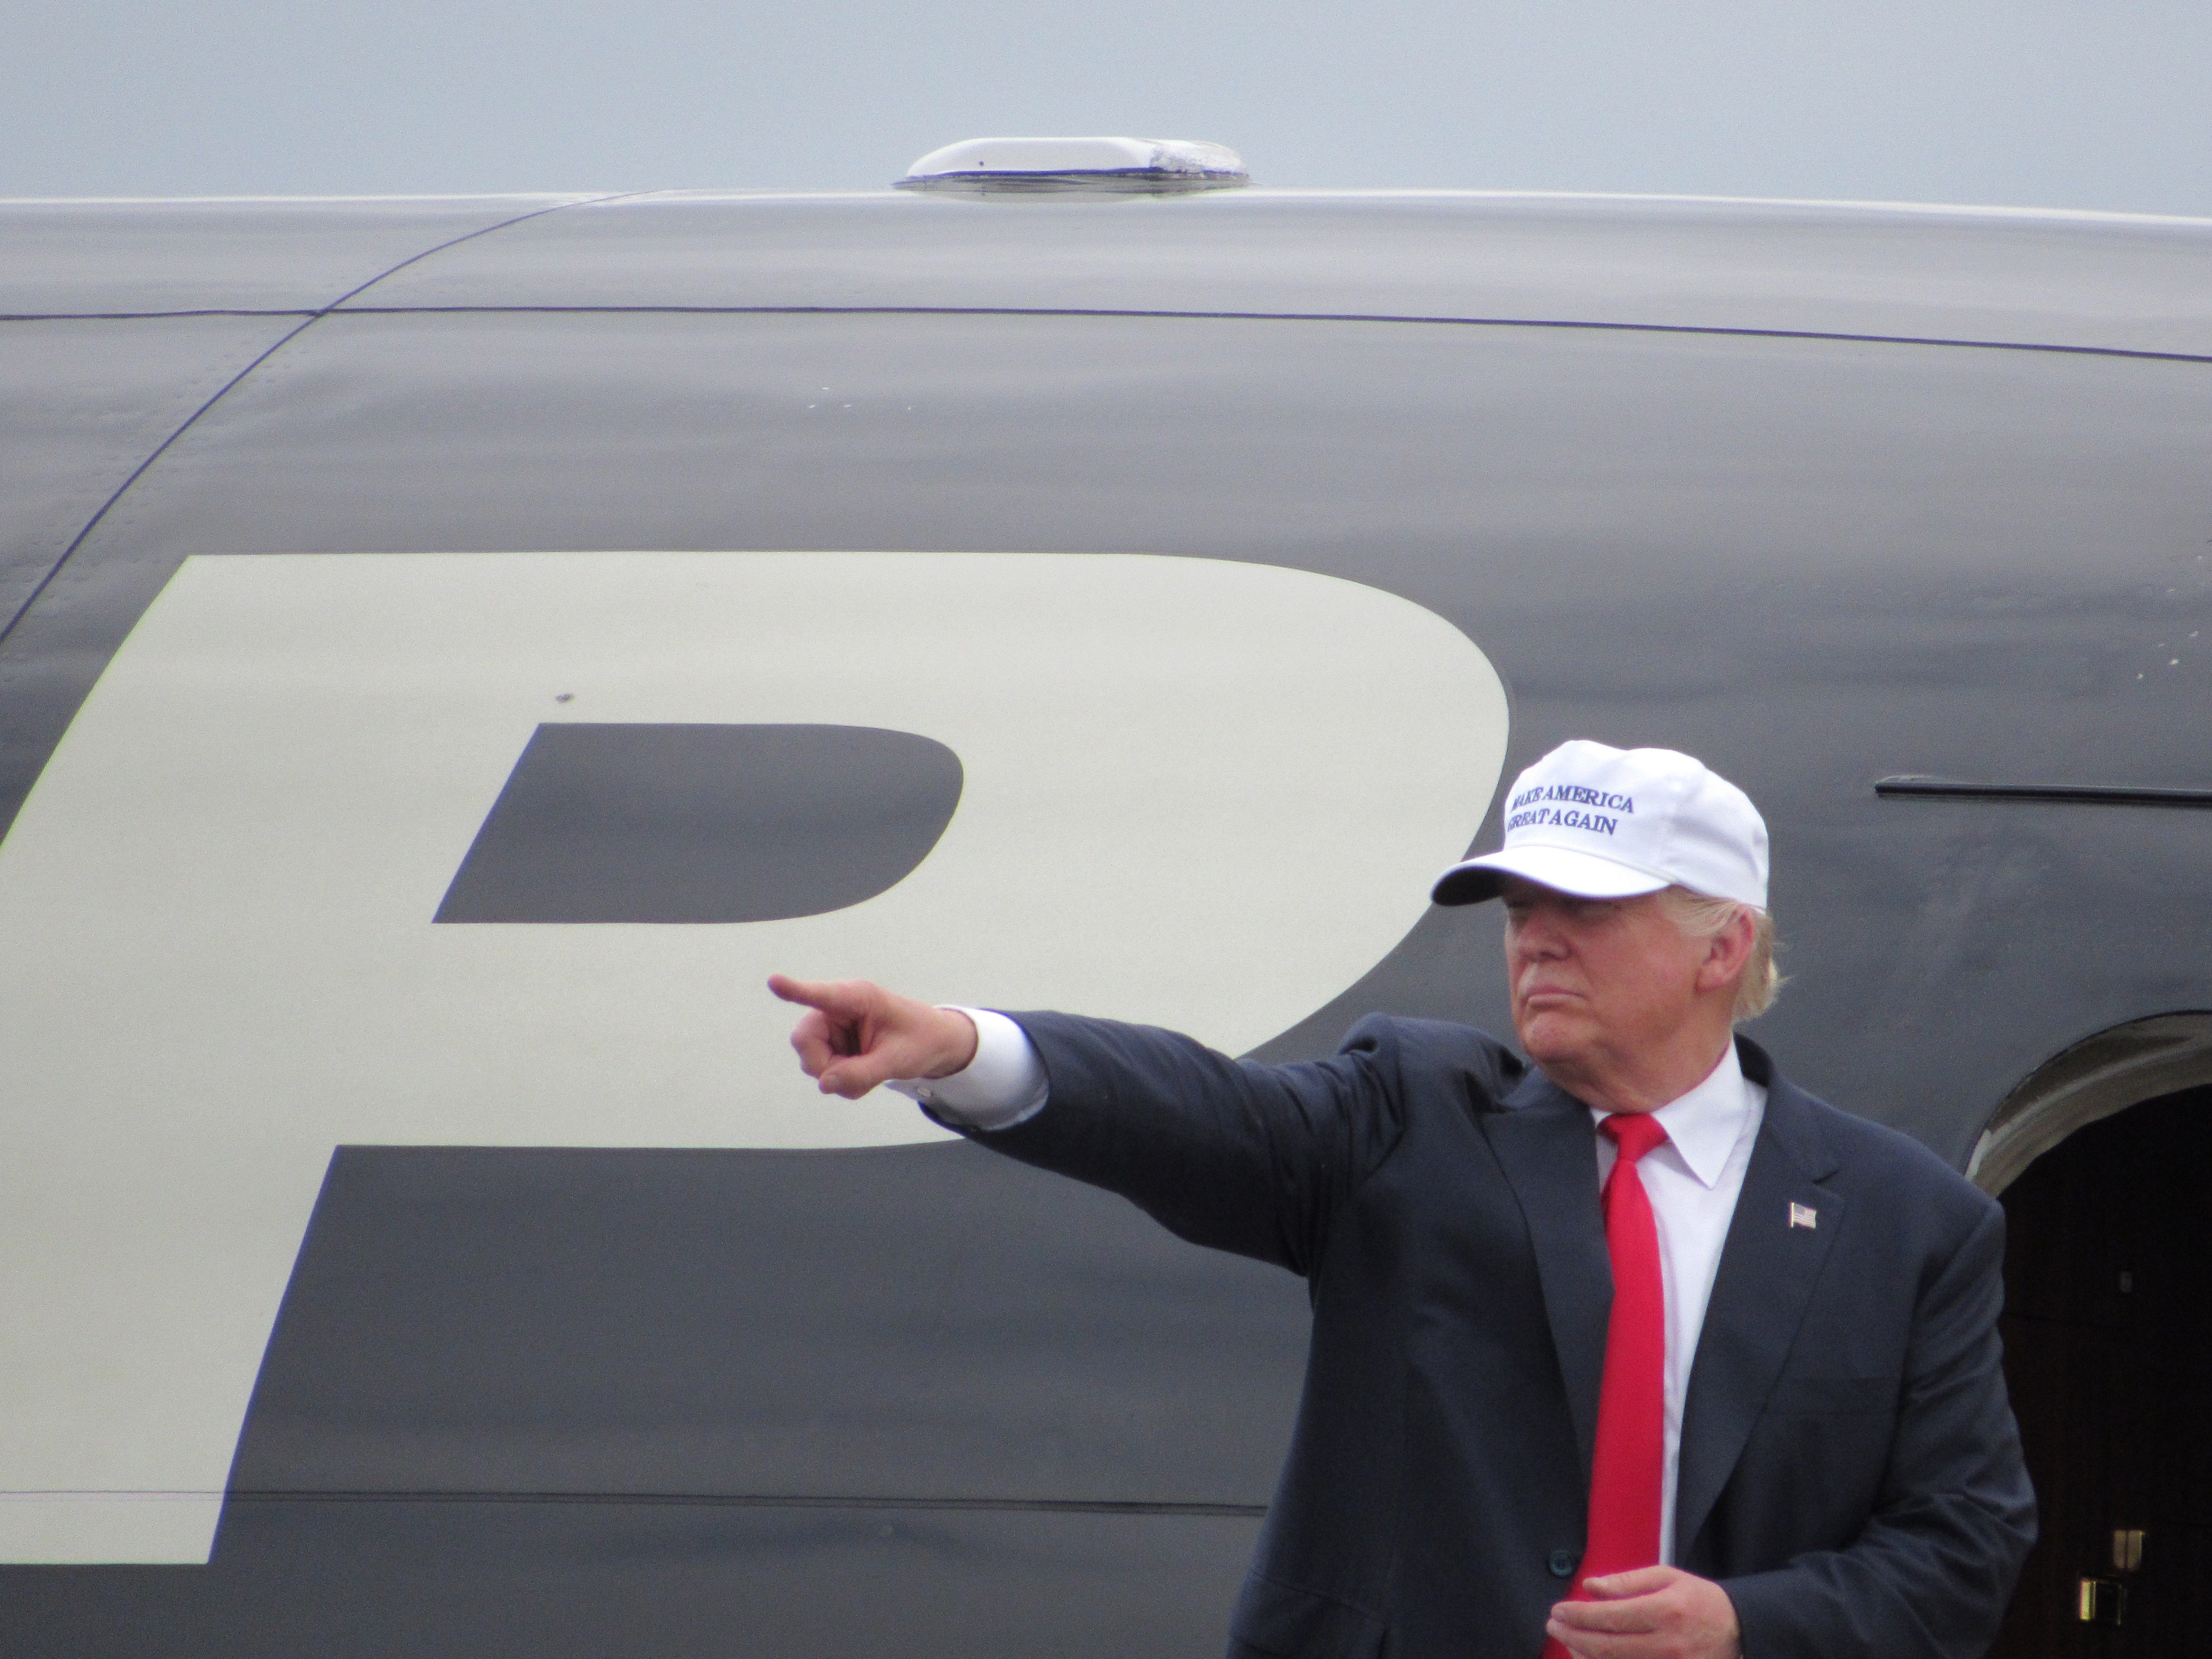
<point>1640,1353</point>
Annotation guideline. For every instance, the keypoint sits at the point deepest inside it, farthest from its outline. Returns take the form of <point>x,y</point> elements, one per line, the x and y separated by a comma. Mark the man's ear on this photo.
<point>1728,953</point>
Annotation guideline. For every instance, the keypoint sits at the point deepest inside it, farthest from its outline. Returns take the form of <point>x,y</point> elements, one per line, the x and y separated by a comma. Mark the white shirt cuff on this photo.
<point>1003,1084</point>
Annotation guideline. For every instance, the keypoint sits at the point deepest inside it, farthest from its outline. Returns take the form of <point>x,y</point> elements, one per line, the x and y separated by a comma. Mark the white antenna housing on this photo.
<point>1125,165</point>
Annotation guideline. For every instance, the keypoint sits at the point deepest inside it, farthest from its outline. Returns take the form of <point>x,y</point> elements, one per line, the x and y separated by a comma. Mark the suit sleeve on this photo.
<point>1932,1572</point>
<point>1245,1158</point>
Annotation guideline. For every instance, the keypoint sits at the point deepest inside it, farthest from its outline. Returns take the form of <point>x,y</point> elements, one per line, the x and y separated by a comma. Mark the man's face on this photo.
<point>1595,980</point>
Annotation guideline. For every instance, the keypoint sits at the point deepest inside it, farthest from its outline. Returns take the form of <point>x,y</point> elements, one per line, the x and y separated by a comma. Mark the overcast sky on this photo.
<point>2049,103</point>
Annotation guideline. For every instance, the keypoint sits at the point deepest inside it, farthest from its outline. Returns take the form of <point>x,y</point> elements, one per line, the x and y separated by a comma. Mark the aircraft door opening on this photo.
<point>2108,1351</point>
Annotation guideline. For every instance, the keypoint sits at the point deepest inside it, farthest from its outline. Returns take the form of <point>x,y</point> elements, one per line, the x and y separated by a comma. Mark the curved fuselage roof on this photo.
<point>2119,282</point>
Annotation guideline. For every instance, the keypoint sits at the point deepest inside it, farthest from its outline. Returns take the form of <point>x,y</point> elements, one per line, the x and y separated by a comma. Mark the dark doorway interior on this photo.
<point>2108,1348</point>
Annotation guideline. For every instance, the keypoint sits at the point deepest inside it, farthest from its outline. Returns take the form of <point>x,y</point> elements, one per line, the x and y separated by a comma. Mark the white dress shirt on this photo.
<point>1692,1179</point>
<point>1003,1084</point>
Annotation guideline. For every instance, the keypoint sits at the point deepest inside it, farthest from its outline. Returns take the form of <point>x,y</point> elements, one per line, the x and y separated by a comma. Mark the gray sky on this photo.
<point>2050,103</point>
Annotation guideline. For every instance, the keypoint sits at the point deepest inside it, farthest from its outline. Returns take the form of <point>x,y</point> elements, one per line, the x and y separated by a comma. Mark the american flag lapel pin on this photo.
<point>1804,1215</point>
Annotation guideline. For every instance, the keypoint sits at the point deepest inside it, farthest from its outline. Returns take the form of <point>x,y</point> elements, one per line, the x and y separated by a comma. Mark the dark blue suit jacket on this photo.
<point>1850,1468</point>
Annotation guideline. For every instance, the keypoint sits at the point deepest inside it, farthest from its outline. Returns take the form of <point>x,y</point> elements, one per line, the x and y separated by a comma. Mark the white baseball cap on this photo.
<point>1604,823</point>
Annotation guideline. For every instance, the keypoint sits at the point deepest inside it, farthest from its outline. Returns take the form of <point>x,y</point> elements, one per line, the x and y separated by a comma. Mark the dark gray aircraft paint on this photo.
<point>1823,496</point>
<point>648,822</point>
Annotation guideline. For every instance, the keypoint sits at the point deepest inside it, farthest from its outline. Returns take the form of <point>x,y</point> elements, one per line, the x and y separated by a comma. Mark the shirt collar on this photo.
<point>1703,1125</point>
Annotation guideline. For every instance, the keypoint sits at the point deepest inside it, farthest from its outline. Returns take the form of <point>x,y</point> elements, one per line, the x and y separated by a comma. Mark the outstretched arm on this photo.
<point>1243,1157</point>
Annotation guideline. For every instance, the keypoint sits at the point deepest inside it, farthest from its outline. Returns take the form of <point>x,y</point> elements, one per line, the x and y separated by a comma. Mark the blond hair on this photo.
<point>1700,916</point>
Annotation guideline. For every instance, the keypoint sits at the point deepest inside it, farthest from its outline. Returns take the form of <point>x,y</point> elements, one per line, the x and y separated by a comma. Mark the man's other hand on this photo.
<point>855,1035</point>
<point>1653,1613</point>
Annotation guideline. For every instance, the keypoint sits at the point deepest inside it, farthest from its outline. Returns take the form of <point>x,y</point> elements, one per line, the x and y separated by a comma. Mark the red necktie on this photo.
<point>1629,1466</point>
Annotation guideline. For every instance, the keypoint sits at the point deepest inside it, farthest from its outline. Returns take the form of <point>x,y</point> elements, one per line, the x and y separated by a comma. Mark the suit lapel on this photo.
<point>1768,1269</point>
<point>1546,1143</point>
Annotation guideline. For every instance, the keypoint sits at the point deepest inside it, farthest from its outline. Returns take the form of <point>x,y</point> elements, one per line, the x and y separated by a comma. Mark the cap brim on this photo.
<point>1563,869</point>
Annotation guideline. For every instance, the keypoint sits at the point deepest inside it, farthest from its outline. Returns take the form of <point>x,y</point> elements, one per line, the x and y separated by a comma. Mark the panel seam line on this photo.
<point>721,1500</point>
<point>309,319</point>
<point>1715,330</point>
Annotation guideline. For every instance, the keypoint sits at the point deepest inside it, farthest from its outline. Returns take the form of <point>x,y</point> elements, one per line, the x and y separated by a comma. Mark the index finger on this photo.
<point>1628,1618</point>
<point>825,994</point>
<point>1637,1581</point>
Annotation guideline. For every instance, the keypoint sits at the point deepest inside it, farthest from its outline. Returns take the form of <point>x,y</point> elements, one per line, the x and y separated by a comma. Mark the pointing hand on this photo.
<point>855,1035</point>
